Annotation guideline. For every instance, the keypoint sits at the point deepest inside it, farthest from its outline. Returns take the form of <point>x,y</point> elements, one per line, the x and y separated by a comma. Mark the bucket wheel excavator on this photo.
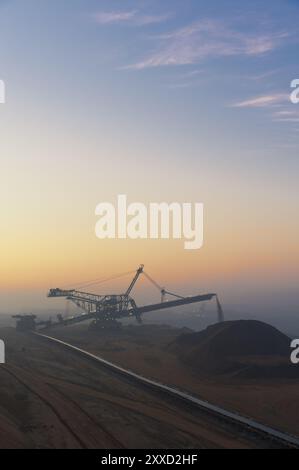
<point>106,310</point>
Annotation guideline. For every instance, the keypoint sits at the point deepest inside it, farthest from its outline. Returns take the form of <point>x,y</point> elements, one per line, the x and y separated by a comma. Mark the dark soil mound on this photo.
<point>242,348</point>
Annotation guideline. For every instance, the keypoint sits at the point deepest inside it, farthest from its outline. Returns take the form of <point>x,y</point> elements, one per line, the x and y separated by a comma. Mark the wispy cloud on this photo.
<point>277,104</point>
<point>263,76</point>
<point>286,114</point>
<point>132,17</point>
<point>205,39</point>
<point>263,101</point>
<point>114,16</point>
<point>189,79</point>
<point>293,119</point>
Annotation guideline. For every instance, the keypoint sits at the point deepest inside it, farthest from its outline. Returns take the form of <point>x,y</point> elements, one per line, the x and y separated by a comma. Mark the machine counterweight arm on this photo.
<point>161,289</point>
<point>138,272</point>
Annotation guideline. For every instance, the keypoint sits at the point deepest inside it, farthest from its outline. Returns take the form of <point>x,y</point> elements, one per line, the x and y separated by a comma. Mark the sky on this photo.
<point>185,101</point>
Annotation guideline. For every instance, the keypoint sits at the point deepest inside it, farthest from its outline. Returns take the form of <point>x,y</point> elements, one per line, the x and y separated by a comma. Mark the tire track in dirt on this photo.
<point>90,407</point>
<point>141,408</point>
<point>64,411</point>
<point>164,415</point>
<point>113,439</point>
<point>46,402</point>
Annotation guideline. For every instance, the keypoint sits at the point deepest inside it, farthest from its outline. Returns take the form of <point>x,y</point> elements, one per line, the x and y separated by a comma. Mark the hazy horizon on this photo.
<point>162,101</point>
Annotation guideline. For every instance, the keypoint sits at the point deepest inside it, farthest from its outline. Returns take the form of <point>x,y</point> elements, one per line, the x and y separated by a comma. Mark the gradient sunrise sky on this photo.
<point>163,101</point>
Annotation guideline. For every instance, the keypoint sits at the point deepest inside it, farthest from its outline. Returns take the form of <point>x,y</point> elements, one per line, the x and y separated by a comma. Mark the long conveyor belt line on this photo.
<point>247,424</point>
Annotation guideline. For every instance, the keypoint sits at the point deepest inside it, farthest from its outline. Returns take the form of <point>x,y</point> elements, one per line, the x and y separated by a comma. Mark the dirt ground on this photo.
<point>51,398</point>
<point>144,349</point>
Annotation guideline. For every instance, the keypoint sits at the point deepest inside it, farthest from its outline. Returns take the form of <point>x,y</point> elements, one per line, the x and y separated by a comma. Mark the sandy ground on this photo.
<point>50,398</point>
<point>144,350</point>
